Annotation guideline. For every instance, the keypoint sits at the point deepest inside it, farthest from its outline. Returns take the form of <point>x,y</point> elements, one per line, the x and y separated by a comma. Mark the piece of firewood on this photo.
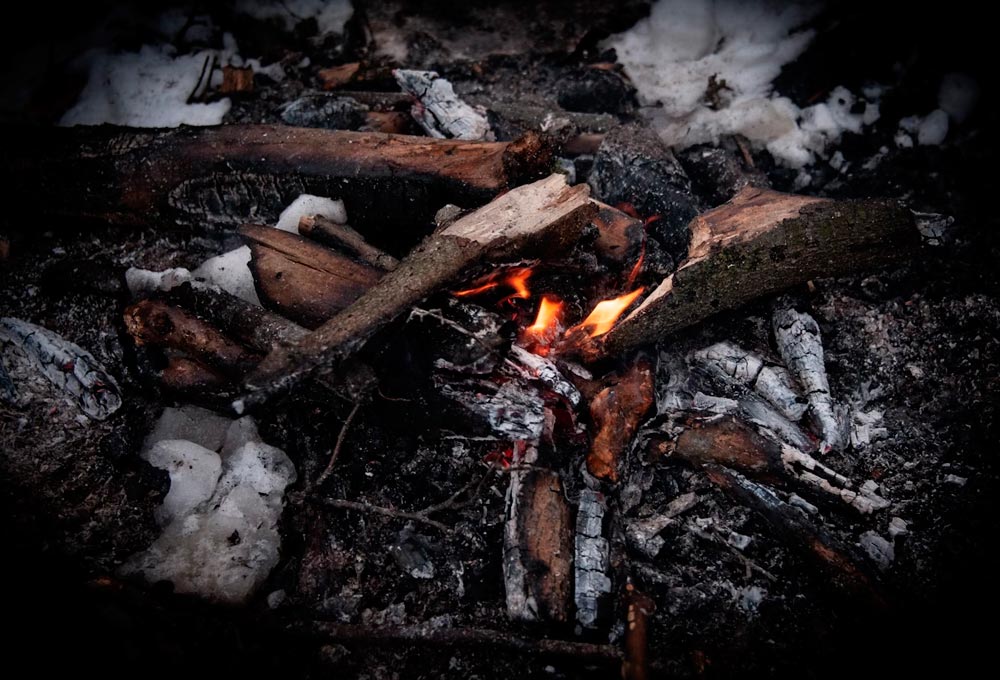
<point>328,232</point>
<point>617,411</point>
<point>156,323</point>
<point>543,217</point>
<point>253,326</point>
<point>639,609</point>
<point>227,175</point>
<point>538,547</point>
<point>592,558</point>
<point>620,236</point>
<point>762,242</point>
<point>185,377</point>
<point>301,279</point>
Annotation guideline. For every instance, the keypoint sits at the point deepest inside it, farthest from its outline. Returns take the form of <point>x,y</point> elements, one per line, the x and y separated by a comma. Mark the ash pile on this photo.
<point>390,342</point>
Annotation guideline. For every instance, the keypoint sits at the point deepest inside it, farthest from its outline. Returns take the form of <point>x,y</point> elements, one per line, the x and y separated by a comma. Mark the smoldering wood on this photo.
<point>225,176</point>
<point>253,326</point>
<point>538,547</point>
<point>191,378</point>
<point>620,236</point>
<point>328,232</point>
<point>301,279</point>
<point>514,410</point>
<point>545,216</point>
<point>461,637</point>
<point>762,242</point>
<point>531,366</point>
<point>65,364</point>
<point>592,558</point>
<point>841,562</point>
<point>725,440</point>
<point>460,338</point>
<point>799,343</point>
<point>158,324</point>
<point>616,412</point>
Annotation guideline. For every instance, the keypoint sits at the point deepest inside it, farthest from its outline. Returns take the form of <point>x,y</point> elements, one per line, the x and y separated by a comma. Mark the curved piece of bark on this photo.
<point>224,176</point>
<point>301,279</point>
<point>762,242</point>
<point>154,322</point>
<point>546,215</point>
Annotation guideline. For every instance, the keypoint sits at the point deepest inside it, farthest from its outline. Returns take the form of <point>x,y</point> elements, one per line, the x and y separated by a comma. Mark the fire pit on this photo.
<point>402,341</point>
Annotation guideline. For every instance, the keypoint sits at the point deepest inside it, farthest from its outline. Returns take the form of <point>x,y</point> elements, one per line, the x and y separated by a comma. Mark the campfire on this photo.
<point>400,347</point>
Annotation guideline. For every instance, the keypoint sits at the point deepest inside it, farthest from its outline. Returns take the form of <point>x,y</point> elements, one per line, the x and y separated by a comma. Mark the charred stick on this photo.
<point>156,323</point>
<point>617,411</point>
<point>546,215</point>
<point>453,637</point>
<point>254,326</point>
<point>341,504</point>
<point>227,175</point>
<point>759,243</point>
<point>330,233</point>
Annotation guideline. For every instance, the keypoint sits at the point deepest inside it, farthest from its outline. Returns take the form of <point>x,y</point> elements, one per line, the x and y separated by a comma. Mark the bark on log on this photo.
<point>329,233</point>
<point>225,176</point>
<point>301,279</point>
<point>544,216</point>
<point>759,243</point>
<point>154,322</point>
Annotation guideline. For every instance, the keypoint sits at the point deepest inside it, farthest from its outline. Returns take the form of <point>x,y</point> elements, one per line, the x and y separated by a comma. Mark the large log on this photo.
<point>761,242</point>
<point>543,217</point>
<point>224,176</point>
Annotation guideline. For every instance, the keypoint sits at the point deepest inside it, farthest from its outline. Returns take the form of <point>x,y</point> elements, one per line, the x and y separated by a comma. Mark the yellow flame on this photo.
<point>605,314</point>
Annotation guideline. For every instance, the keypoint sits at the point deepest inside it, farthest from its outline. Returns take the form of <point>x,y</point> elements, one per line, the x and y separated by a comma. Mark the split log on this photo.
<point>301,279</point>
<point>154,322</point>
<point>545,216</point>
<point>328,232</point>
<point>225,176</point>
<point>762,242</point>
<point>617,411</point>
<point>620,236</point>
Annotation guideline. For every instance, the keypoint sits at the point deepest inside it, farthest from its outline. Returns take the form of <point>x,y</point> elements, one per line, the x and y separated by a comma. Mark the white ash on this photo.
<point>739,541</point>
<point>514,411</point>
<point>642,534</point>
<point>748,369</point>
<point>898,527</point>
<point>761,413</point>
<point>221,539</point>
<point>307,205</point>
<point>810,471</point>
<point>534,367</point>
<point>879,550</point>
<point>797,501</point>
<point>798,338</point>
<point>591,559</point>
<point>439,111</point>
<point>230,272</point>
<point>26,348</point>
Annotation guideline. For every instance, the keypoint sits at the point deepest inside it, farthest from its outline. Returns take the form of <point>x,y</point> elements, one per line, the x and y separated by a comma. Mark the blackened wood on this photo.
<point>301,279</point>
<point>762,242</point>
<point>253,326</point>
<point>638,612</point>
<point>224,176</point>
<point>543,217</point>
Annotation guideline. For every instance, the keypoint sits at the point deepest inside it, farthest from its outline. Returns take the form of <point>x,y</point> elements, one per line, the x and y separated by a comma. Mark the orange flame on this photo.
<point>516,279</point>
<point>637,269</point>
<point>540,335</point>
<point>605,314</point>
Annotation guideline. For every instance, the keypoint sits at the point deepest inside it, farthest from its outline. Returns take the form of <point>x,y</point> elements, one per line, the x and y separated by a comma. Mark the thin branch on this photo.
<point>340,443</point>
<point>342,504</point>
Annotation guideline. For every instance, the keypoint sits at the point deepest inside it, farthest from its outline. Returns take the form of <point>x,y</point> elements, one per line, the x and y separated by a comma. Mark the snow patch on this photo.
<point>330,15</point>
<point>220,538</point>
<point>307,204</point>
<point>148,89</point>
<point>704,70</point>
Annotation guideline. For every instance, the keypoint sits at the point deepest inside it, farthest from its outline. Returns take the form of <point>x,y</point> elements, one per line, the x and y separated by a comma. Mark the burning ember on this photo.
<point>605,314</point>
<point>548,323</point>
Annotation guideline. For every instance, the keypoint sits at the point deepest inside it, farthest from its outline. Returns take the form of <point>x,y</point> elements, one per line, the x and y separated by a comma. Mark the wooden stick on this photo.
<point>154,322</point>
<point>547,215</point>
<point>336,235</point>
<point>617,411</point>
<point>227,175</point>
<point>467,637</point>
<point>639,607</point>
<point>759,243</point>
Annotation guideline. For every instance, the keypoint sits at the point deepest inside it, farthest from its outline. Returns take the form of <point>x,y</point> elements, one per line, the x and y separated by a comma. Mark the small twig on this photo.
<point>747,562</point>
<point>747,157</point>
<point>451,504</point>
<point>209,61</point>
<point>340,443</point>
<point>448,637</point>
<point>342,504</point>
